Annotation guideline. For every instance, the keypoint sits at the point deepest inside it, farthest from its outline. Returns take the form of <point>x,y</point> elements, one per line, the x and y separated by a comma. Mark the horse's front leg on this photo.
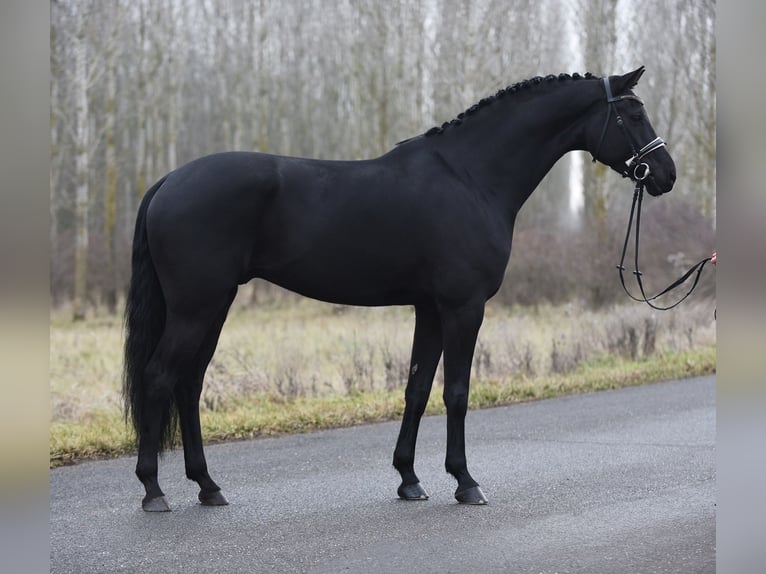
<point>460,329</point>
<point>426,351</point>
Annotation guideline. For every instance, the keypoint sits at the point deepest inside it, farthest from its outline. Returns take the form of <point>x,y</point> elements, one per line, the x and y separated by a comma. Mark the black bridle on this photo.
<point>633,163</point>
<point>632,169</point>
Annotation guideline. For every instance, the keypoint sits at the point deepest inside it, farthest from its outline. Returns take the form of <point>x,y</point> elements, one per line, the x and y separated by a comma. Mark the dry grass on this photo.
<point>85,367</point>
<point>306,351</point>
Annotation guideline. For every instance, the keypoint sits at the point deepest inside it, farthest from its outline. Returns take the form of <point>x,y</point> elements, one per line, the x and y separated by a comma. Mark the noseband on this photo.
<point>633,165</point>
<point>639,171</point>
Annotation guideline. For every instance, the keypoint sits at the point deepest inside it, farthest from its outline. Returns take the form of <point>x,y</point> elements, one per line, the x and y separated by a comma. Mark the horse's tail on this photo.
<point>144,324</point>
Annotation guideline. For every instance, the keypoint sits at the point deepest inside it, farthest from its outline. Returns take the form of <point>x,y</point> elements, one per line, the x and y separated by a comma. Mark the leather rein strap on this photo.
<point>635,210</point>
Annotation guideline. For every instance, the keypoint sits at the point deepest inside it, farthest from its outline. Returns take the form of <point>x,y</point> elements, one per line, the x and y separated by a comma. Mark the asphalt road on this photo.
<point>617,481</point>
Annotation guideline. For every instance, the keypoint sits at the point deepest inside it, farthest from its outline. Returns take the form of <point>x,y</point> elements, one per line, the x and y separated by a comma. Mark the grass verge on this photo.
<point>104,434</point>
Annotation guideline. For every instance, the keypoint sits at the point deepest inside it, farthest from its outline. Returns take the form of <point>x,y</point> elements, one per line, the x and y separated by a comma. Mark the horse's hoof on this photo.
<point>472,495</point>
<point>412,492</point>
<point>157,504</point>
<point>212,498</point>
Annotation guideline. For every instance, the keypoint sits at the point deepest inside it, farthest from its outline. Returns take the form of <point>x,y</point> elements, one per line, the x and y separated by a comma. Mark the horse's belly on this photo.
<point>348,280</point>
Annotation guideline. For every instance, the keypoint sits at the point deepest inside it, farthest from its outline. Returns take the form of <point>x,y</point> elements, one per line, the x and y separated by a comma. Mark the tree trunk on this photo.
<point>141,131</point>
<point>110,197</point>
<point>81,175</point>
<point>600,42</point>
<point>55,164</point>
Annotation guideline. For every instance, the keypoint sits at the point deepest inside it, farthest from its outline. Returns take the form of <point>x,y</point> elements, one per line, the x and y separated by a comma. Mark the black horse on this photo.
<point>428,224</point>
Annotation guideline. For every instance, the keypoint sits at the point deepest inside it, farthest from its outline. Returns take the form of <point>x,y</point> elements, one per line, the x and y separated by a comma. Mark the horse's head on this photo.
<point>622,137</point>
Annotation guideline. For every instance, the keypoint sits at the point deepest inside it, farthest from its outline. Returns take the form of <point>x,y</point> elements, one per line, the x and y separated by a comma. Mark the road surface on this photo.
<point>616,481</point>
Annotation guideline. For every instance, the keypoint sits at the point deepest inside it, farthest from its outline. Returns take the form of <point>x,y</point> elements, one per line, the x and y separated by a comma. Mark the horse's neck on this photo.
<point>509,150</point>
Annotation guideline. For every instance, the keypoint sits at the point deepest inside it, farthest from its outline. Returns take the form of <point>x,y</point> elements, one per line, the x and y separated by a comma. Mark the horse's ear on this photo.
<point>622,84</point>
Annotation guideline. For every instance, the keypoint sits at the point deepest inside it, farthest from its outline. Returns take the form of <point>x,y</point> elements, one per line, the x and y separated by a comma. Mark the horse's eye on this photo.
<point>637,117</point>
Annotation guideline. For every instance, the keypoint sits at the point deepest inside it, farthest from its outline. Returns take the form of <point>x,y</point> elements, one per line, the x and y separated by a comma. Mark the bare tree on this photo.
<point>110,159</point>
<point>55,162</point>
<point>599,27</point>
<point>82,143</point>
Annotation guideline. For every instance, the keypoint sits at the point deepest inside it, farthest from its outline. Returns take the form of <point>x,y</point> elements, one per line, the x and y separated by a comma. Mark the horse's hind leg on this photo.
<point>426,350</point>
<point>177,349</point>
<point>187,394</point>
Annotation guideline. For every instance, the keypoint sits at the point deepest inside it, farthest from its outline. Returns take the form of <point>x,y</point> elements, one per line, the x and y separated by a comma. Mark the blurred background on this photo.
<point>138,88</point>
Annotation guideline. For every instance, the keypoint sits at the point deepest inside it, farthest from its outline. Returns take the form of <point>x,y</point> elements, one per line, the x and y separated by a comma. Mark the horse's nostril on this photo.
<point>673,175</point>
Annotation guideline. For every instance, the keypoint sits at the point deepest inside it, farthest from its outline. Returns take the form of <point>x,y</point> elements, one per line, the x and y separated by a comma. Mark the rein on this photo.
<point>638,194</point>
<point>639,171</point>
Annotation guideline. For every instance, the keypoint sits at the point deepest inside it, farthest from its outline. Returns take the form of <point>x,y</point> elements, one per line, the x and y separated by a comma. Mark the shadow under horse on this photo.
<point>427,224</point>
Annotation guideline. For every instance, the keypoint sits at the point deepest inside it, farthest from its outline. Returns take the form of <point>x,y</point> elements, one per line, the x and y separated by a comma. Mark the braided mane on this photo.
<point>503,93</point>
